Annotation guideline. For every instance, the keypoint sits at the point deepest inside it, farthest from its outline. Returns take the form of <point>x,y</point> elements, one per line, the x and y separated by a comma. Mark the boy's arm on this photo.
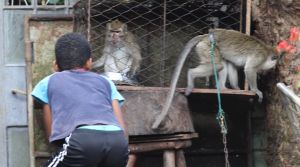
<point>47,116</point>
<point>40,93</point>
<point>119,115</point>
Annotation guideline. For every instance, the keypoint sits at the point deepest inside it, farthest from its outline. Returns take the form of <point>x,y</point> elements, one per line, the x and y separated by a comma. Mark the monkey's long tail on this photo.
<point>181,59</point>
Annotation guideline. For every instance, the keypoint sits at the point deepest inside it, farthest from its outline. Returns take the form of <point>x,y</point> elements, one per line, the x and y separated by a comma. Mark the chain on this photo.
<point>220,115</point>
<point>224,133</point>
<point>227,164</point>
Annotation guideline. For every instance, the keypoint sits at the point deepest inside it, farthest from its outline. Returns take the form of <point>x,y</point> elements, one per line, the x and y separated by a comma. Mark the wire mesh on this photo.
<point>161,27</point>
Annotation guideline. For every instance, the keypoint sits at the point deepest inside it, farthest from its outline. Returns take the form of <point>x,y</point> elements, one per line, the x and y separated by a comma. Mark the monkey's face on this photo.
<point>115,36</point>
<point>270,62</point>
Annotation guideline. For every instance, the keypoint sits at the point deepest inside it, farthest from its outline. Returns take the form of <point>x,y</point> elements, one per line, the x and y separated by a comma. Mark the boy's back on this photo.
<point>81,110</point>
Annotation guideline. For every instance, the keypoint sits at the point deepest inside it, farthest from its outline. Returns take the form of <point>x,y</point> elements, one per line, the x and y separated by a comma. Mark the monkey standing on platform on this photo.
<point>236,50</point>
<point>121,54</point>
<point>233,50</point>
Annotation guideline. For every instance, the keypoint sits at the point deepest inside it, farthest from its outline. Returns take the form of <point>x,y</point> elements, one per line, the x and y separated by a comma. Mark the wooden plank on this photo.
<point>182,90</point>
<point>51,17</point>
<point>149,138</point>
<point>145,147</point>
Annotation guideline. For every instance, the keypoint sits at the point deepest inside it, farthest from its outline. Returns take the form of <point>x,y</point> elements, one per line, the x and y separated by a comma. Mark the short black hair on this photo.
<point>72,50</point>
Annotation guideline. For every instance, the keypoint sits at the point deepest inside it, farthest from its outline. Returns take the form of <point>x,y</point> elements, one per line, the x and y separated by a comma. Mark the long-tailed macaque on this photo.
<point>121,54</point>
<point>233,50</point>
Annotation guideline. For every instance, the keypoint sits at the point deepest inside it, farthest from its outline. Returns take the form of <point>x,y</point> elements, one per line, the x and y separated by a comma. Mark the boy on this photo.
<point>81,108</point>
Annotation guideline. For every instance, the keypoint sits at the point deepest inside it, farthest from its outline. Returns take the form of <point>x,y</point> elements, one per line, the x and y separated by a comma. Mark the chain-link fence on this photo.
<point>161,27</point>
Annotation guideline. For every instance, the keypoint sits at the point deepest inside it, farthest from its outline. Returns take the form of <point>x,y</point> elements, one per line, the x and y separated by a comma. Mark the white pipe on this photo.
<point>288,92</point>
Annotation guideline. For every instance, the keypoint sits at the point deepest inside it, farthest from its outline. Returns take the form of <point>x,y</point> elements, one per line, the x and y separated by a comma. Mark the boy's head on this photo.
<point>72,51</point>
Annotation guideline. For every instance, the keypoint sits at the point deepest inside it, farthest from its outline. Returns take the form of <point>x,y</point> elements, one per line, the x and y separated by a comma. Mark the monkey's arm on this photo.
<point>100,62</point>
<point>136,59</point>
<point>251,76</point>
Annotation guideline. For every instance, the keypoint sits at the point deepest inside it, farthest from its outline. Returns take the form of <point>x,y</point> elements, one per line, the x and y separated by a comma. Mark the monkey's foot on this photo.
<point>259,94</point>
<point>188,91</point>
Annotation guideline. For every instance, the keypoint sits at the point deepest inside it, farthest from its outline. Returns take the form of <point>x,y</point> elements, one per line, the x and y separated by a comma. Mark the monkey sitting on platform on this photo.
<point>121,54</point>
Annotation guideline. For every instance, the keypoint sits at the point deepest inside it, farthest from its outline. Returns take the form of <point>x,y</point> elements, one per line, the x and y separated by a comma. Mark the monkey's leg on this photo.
<point>223,76</point>
<point>251,76</point>
<point>233,76</point>
<point>202,70</point>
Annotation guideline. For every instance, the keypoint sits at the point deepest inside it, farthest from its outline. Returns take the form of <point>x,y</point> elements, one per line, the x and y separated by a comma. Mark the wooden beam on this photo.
<point>248,29</point>
<point>182,90</point>
<point>162,138</point>
<point>144,147</point>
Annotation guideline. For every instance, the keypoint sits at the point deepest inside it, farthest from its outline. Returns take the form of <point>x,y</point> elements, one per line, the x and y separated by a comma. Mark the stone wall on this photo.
<point>272,20</point>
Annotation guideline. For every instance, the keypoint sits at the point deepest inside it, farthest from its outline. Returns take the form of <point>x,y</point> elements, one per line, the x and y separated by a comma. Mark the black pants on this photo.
<point>92,148</point>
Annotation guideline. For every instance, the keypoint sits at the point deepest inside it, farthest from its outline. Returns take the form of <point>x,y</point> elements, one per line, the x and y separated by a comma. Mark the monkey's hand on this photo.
<point>129,74</point>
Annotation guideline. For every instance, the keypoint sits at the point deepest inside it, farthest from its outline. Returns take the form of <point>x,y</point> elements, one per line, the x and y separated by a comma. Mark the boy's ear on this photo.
<point>89,63</point>
<point>55,66</point>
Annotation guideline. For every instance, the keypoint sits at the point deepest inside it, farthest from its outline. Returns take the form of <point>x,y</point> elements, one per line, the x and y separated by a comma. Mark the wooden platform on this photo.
<point>182,90</point>
<point>171,145</point>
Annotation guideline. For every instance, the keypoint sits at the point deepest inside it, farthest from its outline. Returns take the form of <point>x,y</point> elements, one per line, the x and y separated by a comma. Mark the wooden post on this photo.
<point>180,159</point>
<point>248,28</point>
<point>131,160</point>
<point>169,158</point>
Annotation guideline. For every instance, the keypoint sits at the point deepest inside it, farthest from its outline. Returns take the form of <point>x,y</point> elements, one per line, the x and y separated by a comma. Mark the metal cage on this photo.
<point>162,27</point>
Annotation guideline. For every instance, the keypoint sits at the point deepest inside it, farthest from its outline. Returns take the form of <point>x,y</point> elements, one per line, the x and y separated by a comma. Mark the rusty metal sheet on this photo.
<point>142,108</point>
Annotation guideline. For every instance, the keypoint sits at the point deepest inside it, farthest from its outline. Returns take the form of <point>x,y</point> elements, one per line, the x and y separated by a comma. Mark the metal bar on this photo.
<point>162,60</point>
<point>17,91</point>
<point>284,89</point>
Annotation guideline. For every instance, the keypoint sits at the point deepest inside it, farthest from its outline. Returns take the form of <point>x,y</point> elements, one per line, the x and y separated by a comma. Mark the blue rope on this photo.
<point>220,115</point>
